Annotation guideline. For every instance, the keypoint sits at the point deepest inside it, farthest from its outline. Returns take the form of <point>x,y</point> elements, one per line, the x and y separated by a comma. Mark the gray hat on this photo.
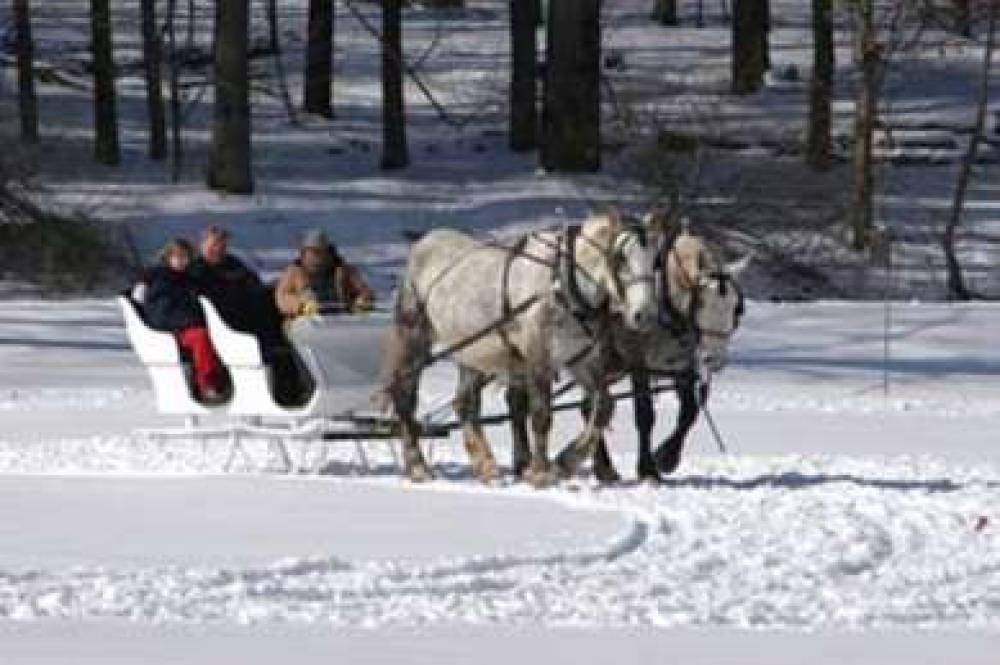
<point>315,238</point>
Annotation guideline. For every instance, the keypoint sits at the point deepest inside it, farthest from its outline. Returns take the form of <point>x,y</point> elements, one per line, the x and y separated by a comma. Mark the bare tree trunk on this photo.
<point>25,72</point>
<point>665,12</point>
<point>177,148</point>
<point>957,287</point>
<point>524,75</point>
<point>963,18</point>
<point>151,49</point>
<point>190,24</point>
<point>319,59</point>
<point>394,151</point>
<point>279,62</point>
<point>229,169</point>
<point>749,37</point>
<point>765,34</point>
<point>865,114</point>
<point>106,148</point>
<point>821,86</point>
<point>571,116</point>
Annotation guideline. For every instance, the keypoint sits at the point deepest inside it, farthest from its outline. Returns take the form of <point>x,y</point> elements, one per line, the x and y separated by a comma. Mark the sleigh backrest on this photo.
<point>164,363</point>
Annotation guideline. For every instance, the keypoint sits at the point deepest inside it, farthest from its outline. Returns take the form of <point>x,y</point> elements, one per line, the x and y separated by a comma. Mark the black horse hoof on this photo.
<point>565,466</point>
<point>667,461</point>
<point>607,475</point>
<point>650,477</point>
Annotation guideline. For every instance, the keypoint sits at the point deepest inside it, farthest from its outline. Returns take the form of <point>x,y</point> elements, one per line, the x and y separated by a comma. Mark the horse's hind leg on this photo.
<point>645,418</point>
<point>468,404</point>
<point>517,407</point>
<point>403,388</point>
<point>668,455</point>
<point>539,472</point>
<point>604,466</point>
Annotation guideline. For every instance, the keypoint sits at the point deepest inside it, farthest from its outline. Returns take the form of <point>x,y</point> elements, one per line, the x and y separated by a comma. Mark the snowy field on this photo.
<point>860,525</point>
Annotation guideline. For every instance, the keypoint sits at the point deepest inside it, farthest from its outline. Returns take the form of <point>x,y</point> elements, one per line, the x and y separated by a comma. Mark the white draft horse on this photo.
<point>498,310</point>
<point>701,307</point>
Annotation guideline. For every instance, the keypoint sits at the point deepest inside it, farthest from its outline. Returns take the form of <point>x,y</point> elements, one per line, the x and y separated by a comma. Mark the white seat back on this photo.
<point>252,383</point>
<point>161,356</point>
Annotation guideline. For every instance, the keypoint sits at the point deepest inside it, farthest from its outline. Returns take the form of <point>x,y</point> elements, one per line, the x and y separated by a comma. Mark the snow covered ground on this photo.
<point>859,525</point>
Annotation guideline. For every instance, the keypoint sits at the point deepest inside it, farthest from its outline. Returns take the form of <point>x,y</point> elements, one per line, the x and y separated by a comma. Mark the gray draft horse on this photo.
<point>498,309</point>
<point>702,305</point>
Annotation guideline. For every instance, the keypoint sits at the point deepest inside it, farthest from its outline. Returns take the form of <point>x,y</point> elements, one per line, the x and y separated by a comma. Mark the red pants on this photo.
<point>207,369</point>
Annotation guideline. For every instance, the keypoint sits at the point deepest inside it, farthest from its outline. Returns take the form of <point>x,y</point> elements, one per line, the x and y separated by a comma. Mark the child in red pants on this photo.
<point>171,305</point>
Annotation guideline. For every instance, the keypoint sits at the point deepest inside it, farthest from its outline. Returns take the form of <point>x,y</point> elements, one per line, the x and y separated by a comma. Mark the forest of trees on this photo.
<point>555,92</point>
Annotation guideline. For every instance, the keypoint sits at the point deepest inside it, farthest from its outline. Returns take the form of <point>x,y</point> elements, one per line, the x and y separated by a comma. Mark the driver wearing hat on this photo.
<point>320,280</point>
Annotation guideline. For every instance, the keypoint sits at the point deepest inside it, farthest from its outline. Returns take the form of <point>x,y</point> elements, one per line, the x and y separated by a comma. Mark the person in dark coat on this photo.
<point>236,291</point>
<point>246,304</point>
<point>171,306</point>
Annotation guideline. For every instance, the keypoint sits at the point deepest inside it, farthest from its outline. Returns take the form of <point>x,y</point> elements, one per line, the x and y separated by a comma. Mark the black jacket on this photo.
<point>232,287</point>
<point>243,301</point>
<point>170,302</point>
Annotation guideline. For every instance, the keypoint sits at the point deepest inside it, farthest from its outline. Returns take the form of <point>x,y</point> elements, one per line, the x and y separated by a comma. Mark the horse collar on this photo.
<point>569,285</point>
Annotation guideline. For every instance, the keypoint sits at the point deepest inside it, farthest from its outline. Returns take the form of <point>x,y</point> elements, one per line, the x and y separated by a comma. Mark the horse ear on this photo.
<point>738,267</point>
<point>615,215</point>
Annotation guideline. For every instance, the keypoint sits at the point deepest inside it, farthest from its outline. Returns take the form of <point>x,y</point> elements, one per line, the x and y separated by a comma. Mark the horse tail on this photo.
<point>400,355</point>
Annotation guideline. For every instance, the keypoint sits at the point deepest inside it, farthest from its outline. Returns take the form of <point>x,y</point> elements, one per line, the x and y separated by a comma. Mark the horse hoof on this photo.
<point>566,466</point>
<point>419,474</point>
<point>519,467</point>
<point>607,476</point>
<point>488,474</point>
<point>648,479</point>
<point>540,479</point>
<point>667,463</point>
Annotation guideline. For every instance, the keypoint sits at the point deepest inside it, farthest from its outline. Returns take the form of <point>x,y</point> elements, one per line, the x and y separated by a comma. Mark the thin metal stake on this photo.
<point>887,323</point>
<point>711,425</point>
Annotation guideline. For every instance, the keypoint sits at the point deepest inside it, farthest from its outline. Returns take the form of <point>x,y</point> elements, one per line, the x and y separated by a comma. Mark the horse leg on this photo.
<point>604,466</point>
<point>585,445</point>
<point>539,473</point>
<point>517,407</point>
<point>403,389</point>
<point>468,404</point>
<point>645,418</point>
<point>668,455</point>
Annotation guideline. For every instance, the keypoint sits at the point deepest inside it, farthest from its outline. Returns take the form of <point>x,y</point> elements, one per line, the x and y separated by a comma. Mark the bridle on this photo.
<point>633,232</point>
<point>725,282</point>
<point>686,323</point>
<point>593,318</point>
<point>614,255</point>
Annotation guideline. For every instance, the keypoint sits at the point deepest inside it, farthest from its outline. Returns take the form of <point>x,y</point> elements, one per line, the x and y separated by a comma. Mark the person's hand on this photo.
<point>309,308</point>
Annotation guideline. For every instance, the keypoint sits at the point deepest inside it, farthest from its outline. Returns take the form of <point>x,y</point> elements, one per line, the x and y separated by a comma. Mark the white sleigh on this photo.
<point>342,359</point>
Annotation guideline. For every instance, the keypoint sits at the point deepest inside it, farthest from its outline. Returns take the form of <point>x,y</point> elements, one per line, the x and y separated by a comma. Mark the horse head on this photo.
<point>703,296</point>
<point>614,252</point>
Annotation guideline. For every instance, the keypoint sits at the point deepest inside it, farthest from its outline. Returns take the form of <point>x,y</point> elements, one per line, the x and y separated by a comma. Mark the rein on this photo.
<point>593,318</point>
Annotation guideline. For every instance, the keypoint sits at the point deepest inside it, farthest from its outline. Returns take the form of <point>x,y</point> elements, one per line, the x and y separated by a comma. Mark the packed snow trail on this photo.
<point>803,542</point>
